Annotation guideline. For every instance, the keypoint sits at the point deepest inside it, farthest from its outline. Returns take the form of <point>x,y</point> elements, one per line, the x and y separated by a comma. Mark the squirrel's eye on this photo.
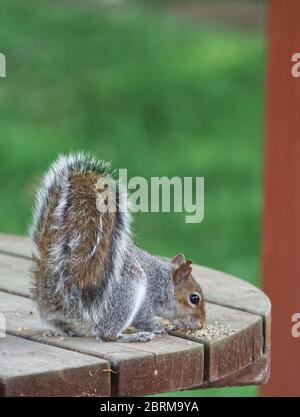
<point>194,298</point>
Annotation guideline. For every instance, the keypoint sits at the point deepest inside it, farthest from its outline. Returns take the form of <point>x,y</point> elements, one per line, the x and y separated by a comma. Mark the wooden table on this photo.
<point>34,363</point>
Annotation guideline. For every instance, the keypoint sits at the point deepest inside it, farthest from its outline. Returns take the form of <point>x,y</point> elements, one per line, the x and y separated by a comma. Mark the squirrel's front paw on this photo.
<point>144,336</point>
<point>136,337</point>
<point>160,330</point>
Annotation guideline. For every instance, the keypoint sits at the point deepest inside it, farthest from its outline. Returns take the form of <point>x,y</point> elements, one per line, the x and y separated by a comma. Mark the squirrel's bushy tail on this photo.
<point>74,240</point>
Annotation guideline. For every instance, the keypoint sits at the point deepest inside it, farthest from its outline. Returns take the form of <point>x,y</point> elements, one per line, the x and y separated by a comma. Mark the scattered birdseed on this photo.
<point>211,331</point>
<point>166,323</point>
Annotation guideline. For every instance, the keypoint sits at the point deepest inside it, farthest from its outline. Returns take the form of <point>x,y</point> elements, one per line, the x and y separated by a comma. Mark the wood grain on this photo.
<point>20,246</point>
<point>257,373</point>
<point>163,364</point>
<point>15,275</point>
<point>34,369</point>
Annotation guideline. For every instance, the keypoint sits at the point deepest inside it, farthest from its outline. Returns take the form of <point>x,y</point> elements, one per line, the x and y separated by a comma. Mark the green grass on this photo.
<point>153,94</point>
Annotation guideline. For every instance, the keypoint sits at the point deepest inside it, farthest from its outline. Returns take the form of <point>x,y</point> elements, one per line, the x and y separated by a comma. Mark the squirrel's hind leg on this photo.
<point>64,328</point>
<point>60,326</point>
<point>123,301</point>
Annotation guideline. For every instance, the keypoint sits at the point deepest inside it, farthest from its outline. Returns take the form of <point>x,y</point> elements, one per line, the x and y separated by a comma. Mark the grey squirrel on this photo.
<point>89,278</point>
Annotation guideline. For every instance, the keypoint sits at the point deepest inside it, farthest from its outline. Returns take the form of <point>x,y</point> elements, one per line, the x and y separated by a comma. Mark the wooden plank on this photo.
<point>219,288</point>
<point>251,340</point>
<point>15,275</point>
<point>186,366</point>
<point>16,245</point>
<point>257,373</point>
<point>226,355</point>
<point>33,369</point>
<point>281,238</point>
<point>163,364</point>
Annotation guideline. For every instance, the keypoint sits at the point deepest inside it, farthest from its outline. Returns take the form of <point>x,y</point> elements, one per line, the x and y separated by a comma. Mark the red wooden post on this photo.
<point>281,243</point>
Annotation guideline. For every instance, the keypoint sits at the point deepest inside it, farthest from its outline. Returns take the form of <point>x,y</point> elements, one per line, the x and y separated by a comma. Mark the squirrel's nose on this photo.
<point>202,324</point>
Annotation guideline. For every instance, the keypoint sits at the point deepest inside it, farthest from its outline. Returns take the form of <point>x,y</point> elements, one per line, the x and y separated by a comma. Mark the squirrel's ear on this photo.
<point>178,260</point>
<point>182,272</point>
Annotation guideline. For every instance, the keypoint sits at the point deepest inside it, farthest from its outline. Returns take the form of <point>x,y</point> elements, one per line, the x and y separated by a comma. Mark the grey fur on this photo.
<point>136,287</point>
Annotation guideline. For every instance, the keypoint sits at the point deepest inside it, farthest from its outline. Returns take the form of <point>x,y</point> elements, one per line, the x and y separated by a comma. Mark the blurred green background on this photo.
<point>155,89</point>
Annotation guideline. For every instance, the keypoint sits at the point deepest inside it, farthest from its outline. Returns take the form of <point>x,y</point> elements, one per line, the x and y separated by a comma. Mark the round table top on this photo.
<point>237,354</point>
